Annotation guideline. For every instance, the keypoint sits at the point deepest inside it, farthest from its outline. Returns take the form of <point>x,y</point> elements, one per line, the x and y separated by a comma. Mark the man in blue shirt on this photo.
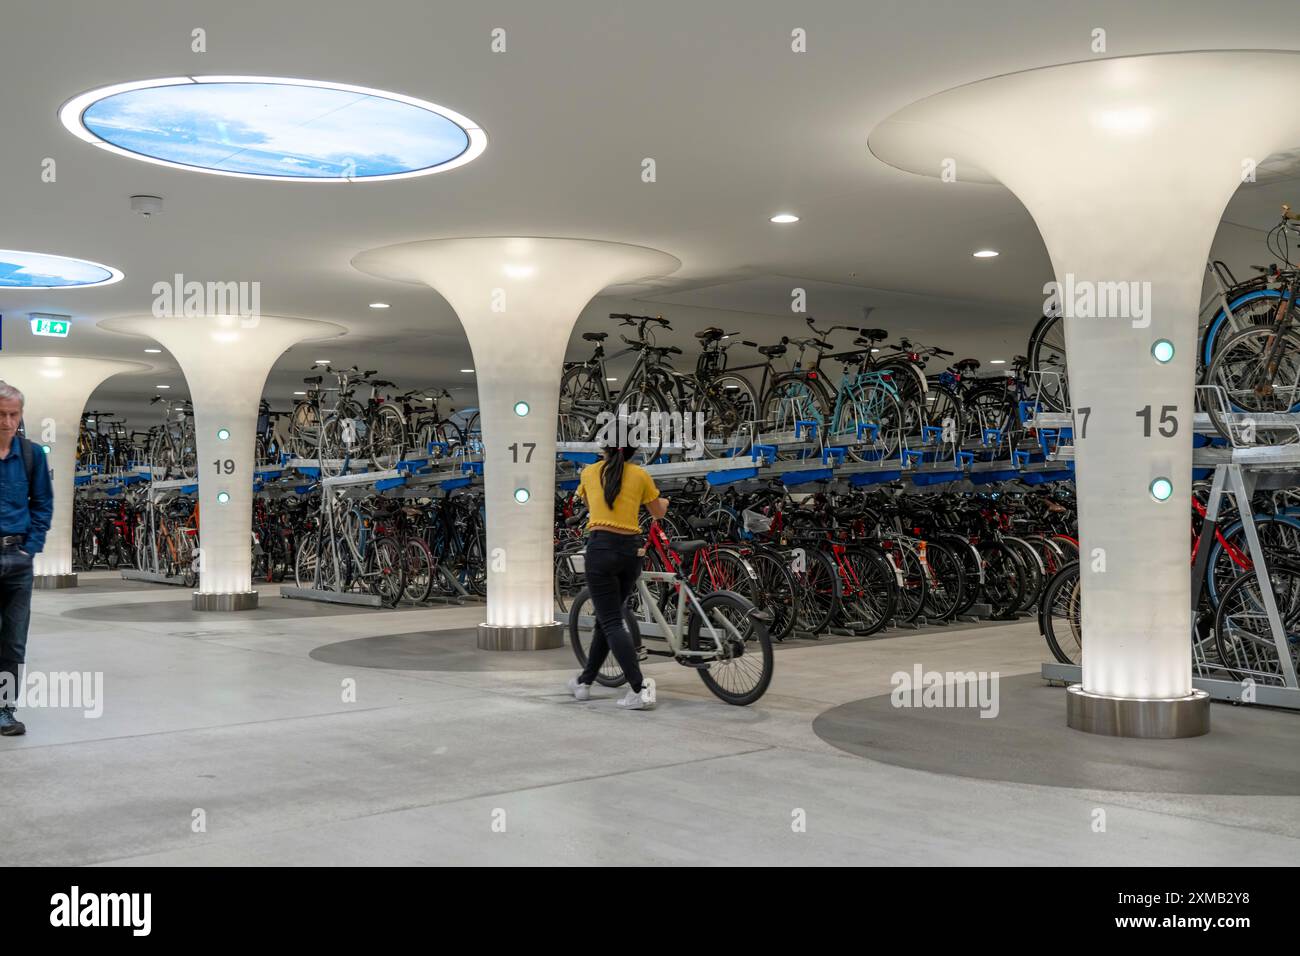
<point>26,507</point>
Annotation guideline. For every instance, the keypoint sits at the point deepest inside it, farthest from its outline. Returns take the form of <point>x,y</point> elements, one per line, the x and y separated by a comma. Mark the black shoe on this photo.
<point>10,726</point>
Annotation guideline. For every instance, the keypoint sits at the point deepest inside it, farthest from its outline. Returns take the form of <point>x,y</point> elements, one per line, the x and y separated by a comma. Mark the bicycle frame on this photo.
<point>673,633</point>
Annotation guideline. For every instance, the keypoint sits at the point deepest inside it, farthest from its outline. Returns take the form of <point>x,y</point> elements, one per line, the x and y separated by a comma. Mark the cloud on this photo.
<point>275,129</point>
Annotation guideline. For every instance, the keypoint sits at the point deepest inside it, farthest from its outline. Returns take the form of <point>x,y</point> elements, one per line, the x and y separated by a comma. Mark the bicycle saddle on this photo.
<point>686,547</point>
<point>966,365</point>
<point>314,379</point>
<point>771,351</point>
<point>380,383</point>
<point>595,336</point>
<point>874,335</point>
<point>711,334</point>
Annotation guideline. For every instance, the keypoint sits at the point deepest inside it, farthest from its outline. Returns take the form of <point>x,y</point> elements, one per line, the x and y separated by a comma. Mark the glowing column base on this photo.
<point>226,360</point>
<point>518,299</point>
<point>1125,166</point>
<point>56,390</point>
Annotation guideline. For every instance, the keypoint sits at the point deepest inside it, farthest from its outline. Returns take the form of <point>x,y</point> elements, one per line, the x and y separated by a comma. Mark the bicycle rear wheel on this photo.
<point>417,571</point>
<point>819,592</point>
<point>1241,368</point>
<point>743,669</point>
<point>384,568</point>
<point>775,591</point>
<point>871,595</point>
<point>1060,615</point>
<point>1243,635</point>
<point>582,626</point>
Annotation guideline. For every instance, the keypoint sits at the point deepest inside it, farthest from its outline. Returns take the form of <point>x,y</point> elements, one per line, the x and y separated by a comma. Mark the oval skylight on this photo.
<point>262,127</point>
<point>36,270</point>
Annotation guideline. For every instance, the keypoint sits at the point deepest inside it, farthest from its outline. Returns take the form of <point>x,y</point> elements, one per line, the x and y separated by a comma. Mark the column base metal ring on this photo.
<point>1151,718</point>
<point>533,637</point>
<point>238,601</point>
<point>50,582</point>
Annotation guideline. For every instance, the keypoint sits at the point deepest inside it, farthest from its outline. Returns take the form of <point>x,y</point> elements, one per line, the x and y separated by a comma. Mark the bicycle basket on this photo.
<point>755,522</point>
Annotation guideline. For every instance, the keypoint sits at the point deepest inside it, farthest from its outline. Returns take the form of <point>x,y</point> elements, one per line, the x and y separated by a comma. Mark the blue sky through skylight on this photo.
<point>274,129</point>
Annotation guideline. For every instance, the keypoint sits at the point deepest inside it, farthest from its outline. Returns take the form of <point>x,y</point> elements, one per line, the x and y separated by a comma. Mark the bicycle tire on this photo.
<point>1243,636</point>
<point>611,672</point>
<point>727,606</point>
<point>1060,615</point>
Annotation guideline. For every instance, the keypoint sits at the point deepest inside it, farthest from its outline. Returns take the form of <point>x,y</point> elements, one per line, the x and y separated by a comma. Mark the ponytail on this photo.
<point>611,477</point>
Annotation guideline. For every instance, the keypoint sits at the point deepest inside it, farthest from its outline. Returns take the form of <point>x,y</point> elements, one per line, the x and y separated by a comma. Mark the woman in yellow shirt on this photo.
<point>615,490</point>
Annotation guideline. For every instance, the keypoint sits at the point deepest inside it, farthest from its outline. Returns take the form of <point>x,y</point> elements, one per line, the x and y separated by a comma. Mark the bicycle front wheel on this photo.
<point>742,668</point>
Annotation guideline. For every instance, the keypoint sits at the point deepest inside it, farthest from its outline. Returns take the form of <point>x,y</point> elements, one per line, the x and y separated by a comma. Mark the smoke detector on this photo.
<point>146,205</point>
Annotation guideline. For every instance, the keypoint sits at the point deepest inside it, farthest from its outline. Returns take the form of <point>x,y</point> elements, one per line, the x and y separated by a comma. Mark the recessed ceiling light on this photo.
<point>985,254</point>
<point>267,127</point>
<point>37,270</point>
<point>322,361</point>
<point>162,386</point>
<point>378,305</point>
<point>153,351</point>
<point>300,393</point>
<point>875,350</point>
<point>997,361</point>
<point>784,217</point>
<point>468,371</point>
<point>611,379</point>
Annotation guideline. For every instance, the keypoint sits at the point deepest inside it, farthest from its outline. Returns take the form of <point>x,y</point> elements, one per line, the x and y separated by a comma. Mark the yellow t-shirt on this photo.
<point>637,489</point>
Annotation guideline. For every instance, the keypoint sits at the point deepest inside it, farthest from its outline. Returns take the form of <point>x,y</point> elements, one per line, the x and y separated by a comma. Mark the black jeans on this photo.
<point>15,613</point>
<point>612,567</point>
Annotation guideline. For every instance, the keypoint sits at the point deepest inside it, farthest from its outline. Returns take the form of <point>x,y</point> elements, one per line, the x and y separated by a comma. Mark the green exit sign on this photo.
<point>51,325</point>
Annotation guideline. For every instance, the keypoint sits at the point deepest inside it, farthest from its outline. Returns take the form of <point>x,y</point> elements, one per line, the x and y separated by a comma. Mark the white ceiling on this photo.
<point>740,128</point>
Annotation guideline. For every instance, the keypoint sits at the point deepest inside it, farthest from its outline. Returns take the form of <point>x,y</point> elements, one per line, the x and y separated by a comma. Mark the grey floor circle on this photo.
<point>455,649</point>
<point>1248,750</point>
<point>270,607</point>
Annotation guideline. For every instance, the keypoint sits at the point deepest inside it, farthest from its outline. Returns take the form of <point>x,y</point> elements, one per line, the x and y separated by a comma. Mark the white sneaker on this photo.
<point>645,700</point>
<point>579,690</point>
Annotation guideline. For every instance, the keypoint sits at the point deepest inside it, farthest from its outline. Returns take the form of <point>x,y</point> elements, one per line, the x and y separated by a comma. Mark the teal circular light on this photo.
<point>274,128</point>
<point>1163,351</point>
<point>521,495</point>
<point>223,433</point>
<point>46,449</point>
<point>38,270</point>
<point>1162,489</point>
<point>521,409</point>
<point>223,497</point>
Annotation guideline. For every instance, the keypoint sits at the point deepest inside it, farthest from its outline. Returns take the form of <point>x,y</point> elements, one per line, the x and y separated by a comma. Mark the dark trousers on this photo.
<point>15,613</point>
<point>612,567</point>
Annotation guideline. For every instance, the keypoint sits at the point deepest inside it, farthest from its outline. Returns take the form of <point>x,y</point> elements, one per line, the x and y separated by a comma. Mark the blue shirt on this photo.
<point>17,514</point>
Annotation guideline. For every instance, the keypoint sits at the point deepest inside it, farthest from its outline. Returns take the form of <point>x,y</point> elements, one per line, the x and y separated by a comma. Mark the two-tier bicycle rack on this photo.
<point>1239,470</point>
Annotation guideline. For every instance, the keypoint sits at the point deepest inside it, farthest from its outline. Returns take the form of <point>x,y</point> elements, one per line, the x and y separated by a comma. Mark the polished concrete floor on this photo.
<point>332,735</point>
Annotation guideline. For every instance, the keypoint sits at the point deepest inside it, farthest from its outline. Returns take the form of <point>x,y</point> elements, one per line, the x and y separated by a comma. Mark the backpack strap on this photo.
<point>29,463</point>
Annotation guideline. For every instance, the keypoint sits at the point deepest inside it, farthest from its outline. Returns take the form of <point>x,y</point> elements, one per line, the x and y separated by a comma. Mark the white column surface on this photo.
<point>518,299</point>
<point>1126,166</point>
<point>225,360</point>
<point>56,390</point>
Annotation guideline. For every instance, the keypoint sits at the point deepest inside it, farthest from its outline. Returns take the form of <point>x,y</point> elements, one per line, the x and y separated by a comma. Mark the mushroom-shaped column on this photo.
<point>55,390</point>
<point>1126,166</point>
<point>518,299</point>
<point>225,360</point>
